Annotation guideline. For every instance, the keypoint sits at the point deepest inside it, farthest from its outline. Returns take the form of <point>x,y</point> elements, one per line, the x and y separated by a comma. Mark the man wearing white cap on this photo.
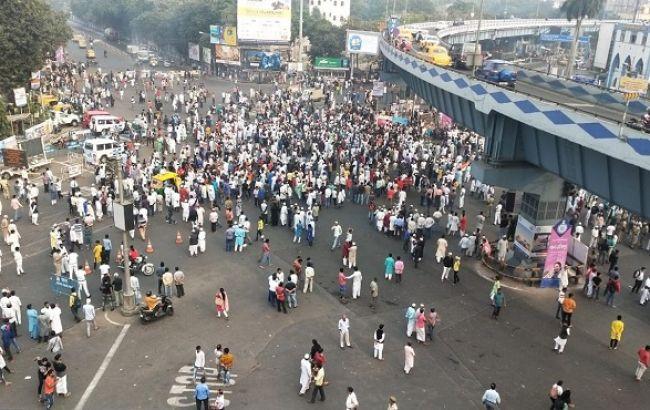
<point>305,374</point>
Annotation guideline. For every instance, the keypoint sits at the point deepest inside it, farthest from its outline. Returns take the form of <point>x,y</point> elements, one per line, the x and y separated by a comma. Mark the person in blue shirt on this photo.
<point>389,267</point>
<point>202,394</point>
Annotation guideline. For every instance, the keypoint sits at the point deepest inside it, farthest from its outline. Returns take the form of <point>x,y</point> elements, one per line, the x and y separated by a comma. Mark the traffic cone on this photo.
<point>149,248</point>
<point>87,268</point>
<point>179,238</point>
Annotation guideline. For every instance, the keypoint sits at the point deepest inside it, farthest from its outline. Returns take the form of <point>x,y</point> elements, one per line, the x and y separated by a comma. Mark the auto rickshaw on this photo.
<point>158,181</point>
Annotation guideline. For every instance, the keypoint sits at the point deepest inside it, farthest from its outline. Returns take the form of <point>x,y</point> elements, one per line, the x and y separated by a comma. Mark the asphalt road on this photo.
<point>145,367</point>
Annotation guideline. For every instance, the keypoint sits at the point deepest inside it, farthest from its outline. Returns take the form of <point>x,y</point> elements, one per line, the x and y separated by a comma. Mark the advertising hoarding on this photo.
<point>264,20</point>
<point>331,63</point>
<point>206,53</point>
<point>193,51</point>
<point>362,42</point>
<point>263,60</point>
<point>226,55</point>
<point>558,247</point>
<point>215,34</point>
<point>224,35</point>
<point>20,97</point>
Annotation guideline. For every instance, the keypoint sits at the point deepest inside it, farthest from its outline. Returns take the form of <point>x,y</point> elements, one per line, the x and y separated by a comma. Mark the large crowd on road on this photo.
<point>248,161</point>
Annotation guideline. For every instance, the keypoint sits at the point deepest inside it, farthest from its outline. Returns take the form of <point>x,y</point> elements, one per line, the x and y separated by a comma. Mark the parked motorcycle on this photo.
<point>164,308</point>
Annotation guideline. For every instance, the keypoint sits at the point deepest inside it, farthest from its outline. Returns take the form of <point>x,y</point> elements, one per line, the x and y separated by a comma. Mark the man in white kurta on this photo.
<point>409,357</point>
<point>305,374</point>
<point>356,283</point>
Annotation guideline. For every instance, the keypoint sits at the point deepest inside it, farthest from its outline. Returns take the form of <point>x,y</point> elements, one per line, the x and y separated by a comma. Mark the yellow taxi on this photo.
<point>90,54</point>
<point>158,181</point>
<point>48,100</point>
<point>438,55</point>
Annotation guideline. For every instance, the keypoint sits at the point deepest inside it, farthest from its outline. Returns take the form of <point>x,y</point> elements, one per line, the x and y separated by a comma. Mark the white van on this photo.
<point>106,123</point>
<point>98,150</point>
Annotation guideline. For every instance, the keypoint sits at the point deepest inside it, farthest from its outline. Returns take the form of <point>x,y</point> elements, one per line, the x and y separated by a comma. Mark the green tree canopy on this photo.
<point>29,32</point>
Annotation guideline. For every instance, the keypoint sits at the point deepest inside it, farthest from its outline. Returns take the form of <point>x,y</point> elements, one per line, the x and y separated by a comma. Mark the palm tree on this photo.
<point>578,10</point>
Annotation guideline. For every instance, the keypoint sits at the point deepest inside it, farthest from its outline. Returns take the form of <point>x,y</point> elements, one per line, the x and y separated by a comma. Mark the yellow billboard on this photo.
<point>264,20</point>
<point>230,36</point>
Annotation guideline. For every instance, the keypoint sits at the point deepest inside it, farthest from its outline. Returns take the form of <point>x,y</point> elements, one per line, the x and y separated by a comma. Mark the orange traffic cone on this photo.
<point>87,268</point>
<point>179,238</point>
<point>149,248</point>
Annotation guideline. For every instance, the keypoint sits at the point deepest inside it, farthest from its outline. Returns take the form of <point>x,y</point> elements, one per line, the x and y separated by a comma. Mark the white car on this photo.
<point>62,118</point>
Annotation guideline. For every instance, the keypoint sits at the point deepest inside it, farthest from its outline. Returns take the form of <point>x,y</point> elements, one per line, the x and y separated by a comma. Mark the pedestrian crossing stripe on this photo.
<point>182,391</point>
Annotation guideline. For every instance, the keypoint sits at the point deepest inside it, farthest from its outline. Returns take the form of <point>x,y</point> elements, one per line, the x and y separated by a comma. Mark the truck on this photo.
<point>497,72</point>
<point>132,49</point>
<point>143,56</point>
<point>465,54</point>
<point>27,153</point>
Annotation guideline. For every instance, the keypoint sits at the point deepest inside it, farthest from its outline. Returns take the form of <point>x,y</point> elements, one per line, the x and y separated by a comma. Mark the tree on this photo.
<point>29,32</point>
<point>5,125</point>
<point>460,10</point>
<point>325,38</point>
<point>578,10</point>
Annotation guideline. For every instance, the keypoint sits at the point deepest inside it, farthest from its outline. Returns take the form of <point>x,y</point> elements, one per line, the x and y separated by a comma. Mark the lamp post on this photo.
<point>129,308</point>
<point>476,44</point>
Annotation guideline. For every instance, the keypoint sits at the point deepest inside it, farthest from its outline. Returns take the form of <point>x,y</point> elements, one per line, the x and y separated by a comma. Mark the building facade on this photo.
<point>630,53</point>
<point>336,12</point>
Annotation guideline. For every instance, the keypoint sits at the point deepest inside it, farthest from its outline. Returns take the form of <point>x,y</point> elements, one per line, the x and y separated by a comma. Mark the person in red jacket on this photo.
<point>48,389</point>
<point>644,362</point>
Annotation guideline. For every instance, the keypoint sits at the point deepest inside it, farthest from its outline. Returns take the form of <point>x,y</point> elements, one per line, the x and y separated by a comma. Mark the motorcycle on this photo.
<point>140,266</point>
<point>164,308</point>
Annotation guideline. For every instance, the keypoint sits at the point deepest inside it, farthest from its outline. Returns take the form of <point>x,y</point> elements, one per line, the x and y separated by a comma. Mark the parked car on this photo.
<point>66,118</point>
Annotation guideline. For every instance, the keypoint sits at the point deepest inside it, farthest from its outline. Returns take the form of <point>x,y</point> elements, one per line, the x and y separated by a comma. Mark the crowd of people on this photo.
<point>258,160</point>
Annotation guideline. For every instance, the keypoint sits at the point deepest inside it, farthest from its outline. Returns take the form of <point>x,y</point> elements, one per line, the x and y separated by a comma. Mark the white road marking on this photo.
<point>110,321</point>
<point>102,368</point>
<point>183,391</point>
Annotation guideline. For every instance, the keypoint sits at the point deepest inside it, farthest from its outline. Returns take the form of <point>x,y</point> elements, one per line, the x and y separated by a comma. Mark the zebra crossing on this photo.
<point>181,393</point>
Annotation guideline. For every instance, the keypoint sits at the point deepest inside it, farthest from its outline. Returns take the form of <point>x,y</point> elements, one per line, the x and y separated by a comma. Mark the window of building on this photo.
<point>335,2</point>
<point>342,4</point>
<point>633,38</point>
<point>334,18</point>
<point>619,35</point>
<point>319,2</point>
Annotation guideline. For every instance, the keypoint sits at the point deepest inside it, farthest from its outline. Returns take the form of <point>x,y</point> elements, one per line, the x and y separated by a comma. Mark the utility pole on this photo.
<point>636,11</point>
<point>129,308</point>
<point>300,35</point>
<point>476,44</point>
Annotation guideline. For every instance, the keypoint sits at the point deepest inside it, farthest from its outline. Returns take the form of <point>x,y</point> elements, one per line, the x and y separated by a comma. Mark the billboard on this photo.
<point>605,34</point>
<point>226,35</point>
<point>206,53</point>
<point>264,20</point>
<point>263,60</point>
<point>633,85</point>
<point>558,246</point>
<point>531,239</point>
<point>362,42</point>
<point>226,55</point>
<point>20,97</point>
<point>193,51</point>
<point>331,63</point>
<point>562,38</point>
<point>215,34</point>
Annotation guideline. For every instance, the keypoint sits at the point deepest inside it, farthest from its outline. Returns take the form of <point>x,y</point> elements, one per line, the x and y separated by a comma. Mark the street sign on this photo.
<point>20,97</point>
<point>631,84</point>
<point>62,285</point>
<point>15,158</point>
<point>631,96</point>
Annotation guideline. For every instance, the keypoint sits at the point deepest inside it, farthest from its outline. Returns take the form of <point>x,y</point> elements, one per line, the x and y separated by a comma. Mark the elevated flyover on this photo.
<point>527,135</point>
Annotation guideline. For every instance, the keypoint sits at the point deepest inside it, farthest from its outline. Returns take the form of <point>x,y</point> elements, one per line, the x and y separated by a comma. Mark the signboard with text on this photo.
<point>362,42</point>
<point>558,247</point>
<point>633,85</point>
<point>226,54</point>
<point>264,20</point>
<point>331,63</point>
<point>14,158</point>
<point>193,52</point>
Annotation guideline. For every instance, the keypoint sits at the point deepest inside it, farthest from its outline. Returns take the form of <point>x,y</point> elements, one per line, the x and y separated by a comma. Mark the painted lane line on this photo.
<point>102,368</point>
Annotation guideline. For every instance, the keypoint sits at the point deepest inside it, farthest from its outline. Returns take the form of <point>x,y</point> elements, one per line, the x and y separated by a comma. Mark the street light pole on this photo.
<point>129,308</point>
<point>476,44</point>
<point>300,37</point>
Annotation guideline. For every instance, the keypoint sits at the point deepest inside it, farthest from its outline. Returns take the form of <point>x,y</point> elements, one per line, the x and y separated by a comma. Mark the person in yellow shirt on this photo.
<point>616,332</point>
<point>151,300</point>
<point>98,249</point>
<point>225,363</point>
